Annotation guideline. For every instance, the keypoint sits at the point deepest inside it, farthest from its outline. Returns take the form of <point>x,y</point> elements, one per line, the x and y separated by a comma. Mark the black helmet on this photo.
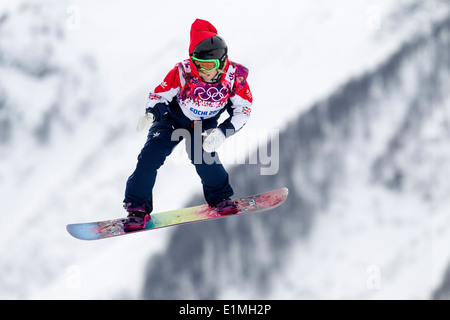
<point>212,48</point>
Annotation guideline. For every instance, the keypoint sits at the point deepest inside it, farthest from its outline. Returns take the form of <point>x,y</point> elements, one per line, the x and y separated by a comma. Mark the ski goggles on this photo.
<point>206,65</point>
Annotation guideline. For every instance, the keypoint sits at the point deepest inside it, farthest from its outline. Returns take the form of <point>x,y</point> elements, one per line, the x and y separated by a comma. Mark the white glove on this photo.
<point>145,121</point>
<point>213,140</point>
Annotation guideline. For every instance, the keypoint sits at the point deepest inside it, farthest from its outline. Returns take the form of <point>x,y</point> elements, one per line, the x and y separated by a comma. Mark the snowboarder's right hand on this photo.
<point>145,121</point>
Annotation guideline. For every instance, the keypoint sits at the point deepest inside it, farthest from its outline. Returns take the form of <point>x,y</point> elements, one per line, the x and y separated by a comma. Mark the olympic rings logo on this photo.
<point>212,93</point>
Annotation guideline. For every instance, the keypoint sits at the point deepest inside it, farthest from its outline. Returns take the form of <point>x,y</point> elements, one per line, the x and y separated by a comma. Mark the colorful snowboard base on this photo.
<point>112,228</point>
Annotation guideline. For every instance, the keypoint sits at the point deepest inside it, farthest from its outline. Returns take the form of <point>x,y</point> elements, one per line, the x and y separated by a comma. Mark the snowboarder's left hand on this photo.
<point>213,140</point>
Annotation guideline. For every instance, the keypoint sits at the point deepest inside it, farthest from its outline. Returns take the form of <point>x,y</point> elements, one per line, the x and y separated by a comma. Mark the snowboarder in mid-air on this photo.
<point>195,92</point>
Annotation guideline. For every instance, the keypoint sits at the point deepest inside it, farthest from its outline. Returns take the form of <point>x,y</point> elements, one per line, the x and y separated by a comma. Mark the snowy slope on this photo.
<point>73,81</point>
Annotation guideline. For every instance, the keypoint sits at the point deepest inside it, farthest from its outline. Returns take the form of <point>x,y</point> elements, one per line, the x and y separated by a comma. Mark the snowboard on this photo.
<point>112,228</point>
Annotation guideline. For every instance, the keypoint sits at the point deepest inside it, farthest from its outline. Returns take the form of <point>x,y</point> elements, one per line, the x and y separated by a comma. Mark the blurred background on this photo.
<point>358,91</point>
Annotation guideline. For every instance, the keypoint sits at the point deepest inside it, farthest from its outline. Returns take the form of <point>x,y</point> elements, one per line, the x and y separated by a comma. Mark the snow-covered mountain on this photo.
<point>357,90</point>
<point>367,216</point>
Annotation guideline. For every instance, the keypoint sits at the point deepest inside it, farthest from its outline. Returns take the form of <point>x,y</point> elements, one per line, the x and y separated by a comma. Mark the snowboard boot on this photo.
<point>137,218</point>
<point>226,206</point>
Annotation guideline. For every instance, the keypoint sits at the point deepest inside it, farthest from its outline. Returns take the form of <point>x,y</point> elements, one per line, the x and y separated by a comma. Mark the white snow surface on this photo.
<point>297,52</point>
